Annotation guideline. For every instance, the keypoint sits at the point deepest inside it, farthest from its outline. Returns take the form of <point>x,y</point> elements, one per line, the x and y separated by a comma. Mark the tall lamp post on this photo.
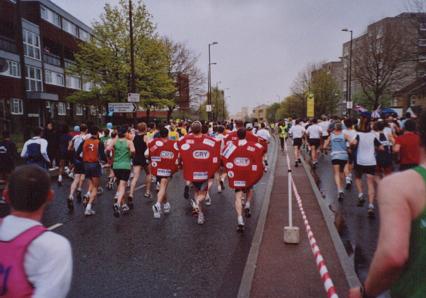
<point>209,81</point>
<point>349,79</point>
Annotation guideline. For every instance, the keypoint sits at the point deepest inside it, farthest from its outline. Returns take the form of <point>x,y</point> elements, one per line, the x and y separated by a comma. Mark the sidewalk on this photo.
<point>284,270</point>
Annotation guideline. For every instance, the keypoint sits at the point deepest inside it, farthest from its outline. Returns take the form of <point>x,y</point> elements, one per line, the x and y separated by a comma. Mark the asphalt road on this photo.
<point>361,231</point>
<point>139,256</point>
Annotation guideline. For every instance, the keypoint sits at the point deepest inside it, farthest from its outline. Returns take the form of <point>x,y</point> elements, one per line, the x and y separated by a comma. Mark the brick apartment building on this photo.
<point>413,69</point>
<point>38,40</point>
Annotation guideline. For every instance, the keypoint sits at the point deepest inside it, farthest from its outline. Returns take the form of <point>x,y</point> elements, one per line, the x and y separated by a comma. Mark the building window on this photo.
<point>422,26</point>
<point>73,82</point>
<point>31,44</point>
<point>78,110</point>
<point>13,70</point>
<point>50,16</point>
<point>84,35</point>
<point>422,42</point>
<point>87,86</point>
<point>54,78</point>
<point>69,64</point>
<point>422,58</point>
<point>33,77</point>
<point>69,27</point>
<point>17,106</point>
<point>62,109</point>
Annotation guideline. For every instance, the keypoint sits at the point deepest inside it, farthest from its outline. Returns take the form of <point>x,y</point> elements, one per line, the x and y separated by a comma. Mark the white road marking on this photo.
<point>55,226</point>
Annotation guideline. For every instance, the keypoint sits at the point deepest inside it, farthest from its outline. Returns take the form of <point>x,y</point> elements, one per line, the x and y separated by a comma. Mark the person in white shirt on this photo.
<point>350,134</point>
<point>325,126</point>
<point>35,150</point>
<point>46,268</point>
<point>263,133</point>
<point>297,131</point>
<point>314,133</point>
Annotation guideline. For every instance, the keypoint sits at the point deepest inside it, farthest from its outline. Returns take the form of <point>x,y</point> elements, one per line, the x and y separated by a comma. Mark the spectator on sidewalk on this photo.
<point>400,259</point>
<point>408,146</point>
<point>8,155</point>
<point>35,150</point>
<point>52,137</point>
<point>35,262</point>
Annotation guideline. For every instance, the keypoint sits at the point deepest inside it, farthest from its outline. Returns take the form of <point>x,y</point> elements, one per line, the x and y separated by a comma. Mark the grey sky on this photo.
<point>263,44</point>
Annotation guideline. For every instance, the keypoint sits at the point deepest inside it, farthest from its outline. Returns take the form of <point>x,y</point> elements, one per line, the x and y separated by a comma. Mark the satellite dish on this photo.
<point>4,66</point>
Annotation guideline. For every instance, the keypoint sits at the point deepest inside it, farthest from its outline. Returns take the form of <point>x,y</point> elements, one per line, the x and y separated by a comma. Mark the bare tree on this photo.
<point>415,5</point>
<point>383,58</point>
<point>184,61</point>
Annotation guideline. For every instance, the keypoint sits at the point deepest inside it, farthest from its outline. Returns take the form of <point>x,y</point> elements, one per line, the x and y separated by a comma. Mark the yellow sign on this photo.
<point>310,105</point>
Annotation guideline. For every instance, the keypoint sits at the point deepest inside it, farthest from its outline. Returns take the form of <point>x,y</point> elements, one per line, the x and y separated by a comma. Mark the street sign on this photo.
<point>122,107</point>
<point>209,108</point>
<point>349,104</point>
<point>133,97</point>
<point>310,105</point>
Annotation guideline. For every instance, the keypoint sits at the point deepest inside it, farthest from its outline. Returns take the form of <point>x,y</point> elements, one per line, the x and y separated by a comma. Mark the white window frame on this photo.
<point>70,27</point>
<point>87,86</point>
<point>422,26</point>
<point>78,109</point>
<point>422,58</point>
<point>62,109</point>
<point>13,71</point>
<point>83,34</point>
<point>16,106</point>
<point>50,16</point>
<point>422,42</point>
<point>53,78</point>
<point>34,80</point>
<point>31,43</point>
<point>72,82</point>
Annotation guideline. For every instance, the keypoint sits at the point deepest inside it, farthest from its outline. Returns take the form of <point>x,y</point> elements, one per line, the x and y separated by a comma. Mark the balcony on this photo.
<point>51,59</point>
<point>8,45</point>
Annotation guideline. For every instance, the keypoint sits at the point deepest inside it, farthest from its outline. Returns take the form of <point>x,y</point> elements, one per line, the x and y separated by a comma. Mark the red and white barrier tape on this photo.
<point>319,259</point>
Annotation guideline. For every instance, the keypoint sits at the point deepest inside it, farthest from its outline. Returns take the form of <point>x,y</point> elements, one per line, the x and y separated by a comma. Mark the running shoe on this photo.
<point>371,212</point>
<point>167,208</point>
<point>85,200</point>
<point>100,191</point>
<point>208,200</point>
<point>116,210</point>
<point>125,209</point>
<point>219,189</point>
<point>147,195</point>
<point>194,206</point>
<point>341,196</point>
<point>79,198</point>
<point>156,210</point>
<point>361,200</point>
<point>296,164</point>
<point>186,192</point>
<point>222,185</point>
<point>130,202</point>
<point>348,183</point>
<point>240,225</point>
<point>247,212</point>
<point>89,212</point>
<point>70,203</point>
<point>200,219</point>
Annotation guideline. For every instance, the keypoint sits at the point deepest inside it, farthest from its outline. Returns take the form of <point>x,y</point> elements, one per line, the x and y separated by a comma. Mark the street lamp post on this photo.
<point>349,74</point>
<point>209,81</point>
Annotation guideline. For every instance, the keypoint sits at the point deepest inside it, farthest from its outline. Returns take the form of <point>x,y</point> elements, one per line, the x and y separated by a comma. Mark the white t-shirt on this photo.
<point>366,148</point>
<point>48,261</point>
<point>324,126</point>
<point>264,134</point>
<point>297,131</point>
<point>351,134</point>
<point>314,131</point>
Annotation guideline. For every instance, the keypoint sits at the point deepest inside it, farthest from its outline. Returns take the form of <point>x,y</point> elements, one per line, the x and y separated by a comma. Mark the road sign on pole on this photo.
<point>133,97</point>
<point>310,105</point>
<point>209,108</point>
<point>122,107</point>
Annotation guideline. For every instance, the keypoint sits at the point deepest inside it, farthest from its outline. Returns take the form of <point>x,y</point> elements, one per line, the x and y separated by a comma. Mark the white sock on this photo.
<point>247,206</point>
<point>360,195</point>
<point>89,206</point>
<point>88,194</point>
<point>158,205</point>
<point>240,220</point>
<point>79,189</point>
<point>60,178</point>
<point>371,205</point>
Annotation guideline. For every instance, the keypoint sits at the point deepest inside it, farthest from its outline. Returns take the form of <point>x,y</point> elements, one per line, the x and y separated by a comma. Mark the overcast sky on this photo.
<point>263,44</point>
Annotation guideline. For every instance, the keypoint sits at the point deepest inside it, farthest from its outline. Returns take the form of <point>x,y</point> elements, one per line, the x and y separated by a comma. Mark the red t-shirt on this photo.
<point>410,148</point>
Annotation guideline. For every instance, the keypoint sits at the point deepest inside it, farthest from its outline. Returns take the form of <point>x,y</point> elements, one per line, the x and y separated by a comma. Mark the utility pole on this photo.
<point>209,82</point>
<point>132,57</point>
<point>349,103</point>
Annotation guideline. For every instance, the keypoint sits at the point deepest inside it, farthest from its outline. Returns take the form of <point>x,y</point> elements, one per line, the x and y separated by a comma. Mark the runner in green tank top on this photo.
<point>123,151</point>
<point>399,263</point>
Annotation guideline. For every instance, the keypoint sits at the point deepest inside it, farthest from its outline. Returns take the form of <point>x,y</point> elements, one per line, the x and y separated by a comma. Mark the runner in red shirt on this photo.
<point>408,147</point>
<point>243,161</point>
<point>163,154</point>
<point>199,163</point>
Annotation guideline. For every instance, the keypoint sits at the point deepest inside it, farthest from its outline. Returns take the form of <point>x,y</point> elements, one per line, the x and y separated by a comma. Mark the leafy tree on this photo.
<point>271,112</point>
<point>326,92</point>
<point>220,111</point>
<point>105,59</point>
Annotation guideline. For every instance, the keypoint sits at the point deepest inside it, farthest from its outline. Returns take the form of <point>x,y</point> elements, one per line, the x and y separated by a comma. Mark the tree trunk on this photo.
<point>148,112</point>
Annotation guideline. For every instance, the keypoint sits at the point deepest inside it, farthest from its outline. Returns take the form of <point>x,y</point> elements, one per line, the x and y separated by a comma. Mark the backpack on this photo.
<point>384,158</point>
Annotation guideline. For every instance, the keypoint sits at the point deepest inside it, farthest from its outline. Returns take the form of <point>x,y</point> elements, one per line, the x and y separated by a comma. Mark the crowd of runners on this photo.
<point>362,146</point>
<point>235,151</point>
